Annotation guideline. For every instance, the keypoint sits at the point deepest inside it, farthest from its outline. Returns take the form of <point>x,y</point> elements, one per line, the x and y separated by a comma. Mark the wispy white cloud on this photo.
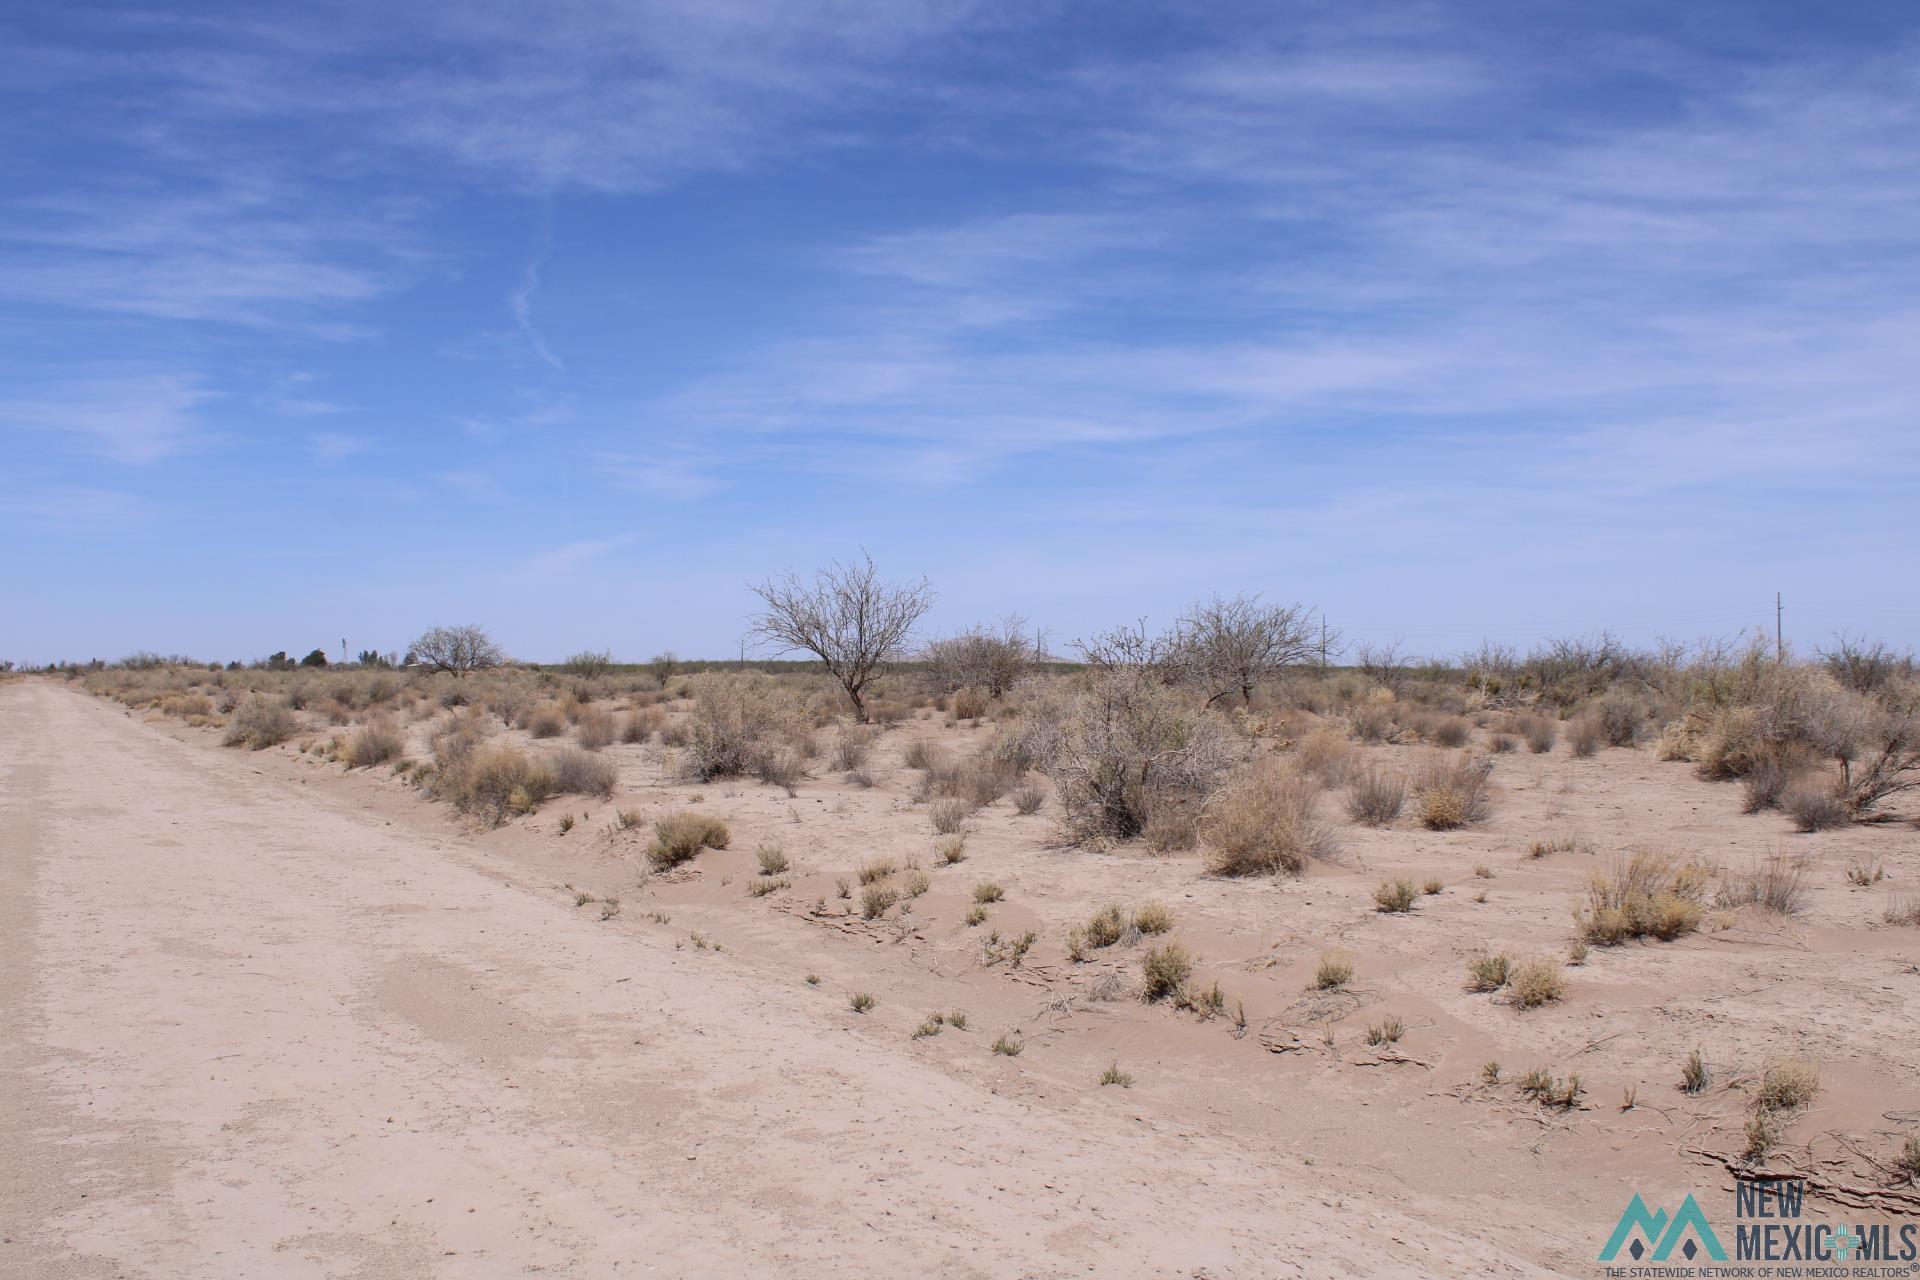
<point>334,446</point>
<point>129,418</point>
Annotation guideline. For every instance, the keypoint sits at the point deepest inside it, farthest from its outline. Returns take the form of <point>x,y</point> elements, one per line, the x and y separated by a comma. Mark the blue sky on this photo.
<point>1496,320</point>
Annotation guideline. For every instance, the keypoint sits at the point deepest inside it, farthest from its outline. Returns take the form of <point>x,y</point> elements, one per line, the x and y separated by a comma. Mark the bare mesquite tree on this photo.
<point>1230,646</point>
<point>458,649</point>
<point>847,617</point>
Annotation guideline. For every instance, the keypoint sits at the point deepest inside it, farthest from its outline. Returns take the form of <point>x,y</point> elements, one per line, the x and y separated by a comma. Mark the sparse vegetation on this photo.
<point>1334,971</point>
<point>1395,896</point>
<point>1166,969</point>
<point>1536,981</point>
<point>679,836</point>
<point>1452,792</point>
<point>1644,895</point>
<point>1376,795</point>
<point>1267,822</point>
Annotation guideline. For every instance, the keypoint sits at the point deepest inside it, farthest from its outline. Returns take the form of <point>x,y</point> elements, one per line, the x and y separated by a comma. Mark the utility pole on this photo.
<point>1323,642</point>
<point>1779,633</point>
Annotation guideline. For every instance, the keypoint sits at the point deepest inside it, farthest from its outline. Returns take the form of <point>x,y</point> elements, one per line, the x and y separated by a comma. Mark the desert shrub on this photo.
<point>679,836</point>
<point>1166,969</point>
<point>1585,735</point>
<point>596,728</point>
<point>546,721</point>
<point>1906,1162</point>
<point>1768,781</point>
<point>1265,822</point>
<point>772,859</point>
<point>875,870</point>
<point>1693,1073</point>
<point>577,772</point>
<point>1372,722</point>
<point>921,754</point>
<point>1452,731</point>
<point>779,764</point>
<point>737,723</point>
<point>1172,828</point>
<point>1489,971</point>
<point>1118,744</point>
<point>1786,1084</point>
<point>1536,981</point>
<point>1645,894</point>
<point>1106,927</point>
<point>1395,896</point>
<point>988,660</point>
<point>1028,798</point>
<point>1882,756</point>
<point>950,815</point>
<point>373,744</point>
<point>951,849</point>
<point>1324,755</point>
<point>1814,807</point>
<point>260,722</point>
<point>969,703</point>
<point>1387,1031</point>
<point>1502,743</point>
<point>1621,717</point>
<point>1453,791</point>
<point>642,723</point>
<point>988,891</point>
<point>876,899</point>
<point>1777,883</point>
<point>1376,796</point>
<point>1153,917</point>
<point>1540,1085</point>
<point>491,783</point>
<point>851,747</point>
<point>1334,971</point>
<point>1540,733</point>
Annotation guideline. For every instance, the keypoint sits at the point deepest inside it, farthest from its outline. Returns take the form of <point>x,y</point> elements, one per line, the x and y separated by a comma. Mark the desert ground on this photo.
<point>271,1014</point>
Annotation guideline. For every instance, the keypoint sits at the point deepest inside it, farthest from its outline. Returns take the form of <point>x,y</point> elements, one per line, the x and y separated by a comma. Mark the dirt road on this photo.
<point>250,1029</point>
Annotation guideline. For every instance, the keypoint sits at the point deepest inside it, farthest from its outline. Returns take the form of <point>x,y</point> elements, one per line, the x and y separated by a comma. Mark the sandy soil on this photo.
<point>263,1017</point>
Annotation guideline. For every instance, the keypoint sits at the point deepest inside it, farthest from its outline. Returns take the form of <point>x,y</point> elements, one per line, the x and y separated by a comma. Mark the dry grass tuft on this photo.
<point>1395,896</point>
<point>1334,971</point>
<point>1814,807</point>
<point>1645,895</point>
<point>1265,822</point>
<point>578,772</point>
<point>260,722</point>
<point>1166,969</point>
<point>373,744</point>
<point>1693,1073</point>
<point>1376,796</point>
<point>1489,971</point>
<point>1787,1084</point>
<point>1777,883</point>
<point>596,728</point>
<point>679,836</point>
<point>1153,917</point>
<point>1453,791</point>
<point>1537,981</point>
